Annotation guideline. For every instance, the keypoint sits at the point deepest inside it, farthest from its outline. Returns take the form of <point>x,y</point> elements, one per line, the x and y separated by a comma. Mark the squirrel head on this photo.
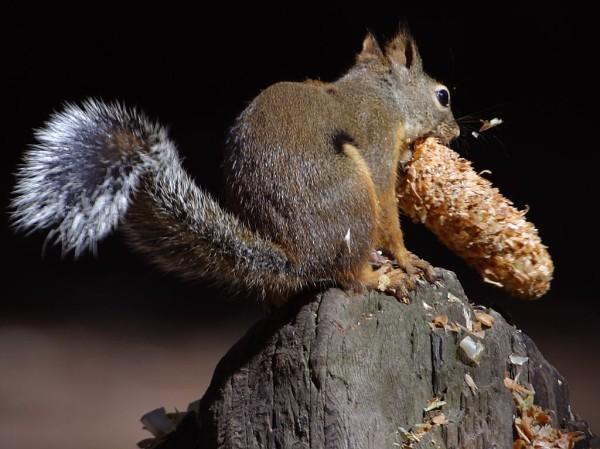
<point>422,103</point>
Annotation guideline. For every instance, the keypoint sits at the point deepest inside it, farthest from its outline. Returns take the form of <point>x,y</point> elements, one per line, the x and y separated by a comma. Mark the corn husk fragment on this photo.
<point>471,383</point>
<point>474,220</point>
<point>485,319</point>
<point>440,321</point>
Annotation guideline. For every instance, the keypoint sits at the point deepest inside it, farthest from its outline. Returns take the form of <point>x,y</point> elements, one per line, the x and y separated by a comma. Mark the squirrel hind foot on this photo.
<point>387,279</point>
<point>414,265</point>
<point>397,278</point>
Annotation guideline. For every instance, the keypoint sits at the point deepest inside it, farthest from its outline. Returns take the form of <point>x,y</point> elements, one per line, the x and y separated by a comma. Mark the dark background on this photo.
<point>196,70</point>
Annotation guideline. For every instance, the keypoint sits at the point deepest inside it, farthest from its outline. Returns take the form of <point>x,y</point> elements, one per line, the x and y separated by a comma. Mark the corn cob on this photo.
<point>472,218</point>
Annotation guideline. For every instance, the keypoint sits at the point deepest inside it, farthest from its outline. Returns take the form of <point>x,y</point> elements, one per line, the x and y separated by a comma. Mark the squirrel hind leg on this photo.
<point>387,279</point>
<point>363,223</point>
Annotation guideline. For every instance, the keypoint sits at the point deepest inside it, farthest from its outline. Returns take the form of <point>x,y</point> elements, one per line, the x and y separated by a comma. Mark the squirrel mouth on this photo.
<point>444,136</point>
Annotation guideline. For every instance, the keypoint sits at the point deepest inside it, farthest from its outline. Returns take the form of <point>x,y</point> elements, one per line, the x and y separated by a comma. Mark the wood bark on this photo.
<point>340,370</point>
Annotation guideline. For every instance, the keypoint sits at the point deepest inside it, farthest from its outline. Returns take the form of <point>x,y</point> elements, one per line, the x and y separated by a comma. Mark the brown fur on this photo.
<point>288,181</point>
<point>311,172</point>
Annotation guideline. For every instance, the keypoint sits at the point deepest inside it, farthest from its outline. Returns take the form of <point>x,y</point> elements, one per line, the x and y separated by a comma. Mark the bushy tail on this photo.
<point>98,164</point>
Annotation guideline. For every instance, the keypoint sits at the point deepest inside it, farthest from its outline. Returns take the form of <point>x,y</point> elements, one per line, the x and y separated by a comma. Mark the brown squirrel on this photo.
<point>311,171</point>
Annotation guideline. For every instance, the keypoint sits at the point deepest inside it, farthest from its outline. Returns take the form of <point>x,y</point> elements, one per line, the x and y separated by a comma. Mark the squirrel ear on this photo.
<point>402,50</point>
<point>370,50</point>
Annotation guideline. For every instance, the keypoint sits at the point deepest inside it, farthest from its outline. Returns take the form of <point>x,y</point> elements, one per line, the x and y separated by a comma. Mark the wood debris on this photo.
<point>433,417</point>
<point>485,319</point>
<point>471,383</point>
<point>477,330</point>
<point>160,424</point>
<point>439,419</point>
<point>454,327</point>
<point>489,124</point>
<point>434,403</point>
<point>383,282</point>
<point>518,360</point>
<point>453,298</point>
<point>516,387</point>
<point>533,424</point>
<point>471,350</point>
<point>440,321</point>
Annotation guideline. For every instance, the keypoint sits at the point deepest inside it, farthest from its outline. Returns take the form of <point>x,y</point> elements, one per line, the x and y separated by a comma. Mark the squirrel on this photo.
<point>310,167</point>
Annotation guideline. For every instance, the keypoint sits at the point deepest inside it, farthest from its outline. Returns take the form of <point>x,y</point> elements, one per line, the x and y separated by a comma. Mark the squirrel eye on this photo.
<point>443,96</point>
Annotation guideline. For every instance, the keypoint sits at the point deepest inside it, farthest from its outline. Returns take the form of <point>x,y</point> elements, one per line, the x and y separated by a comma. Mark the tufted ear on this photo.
<point>370,50</point>
<point>402,50</point>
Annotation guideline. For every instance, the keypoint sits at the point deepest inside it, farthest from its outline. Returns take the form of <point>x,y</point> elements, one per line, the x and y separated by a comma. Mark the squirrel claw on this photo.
<point>418,267</point>
<point>430,273</point>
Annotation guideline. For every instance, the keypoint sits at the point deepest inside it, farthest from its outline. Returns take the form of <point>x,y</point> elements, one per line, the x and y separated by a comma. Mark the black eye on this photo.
<point>443,96</point>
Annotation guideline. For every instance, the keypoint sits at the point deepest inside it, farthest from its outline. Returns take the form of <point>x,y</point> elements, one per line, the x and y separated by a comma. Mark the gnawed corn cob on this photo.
<point>474,220</point>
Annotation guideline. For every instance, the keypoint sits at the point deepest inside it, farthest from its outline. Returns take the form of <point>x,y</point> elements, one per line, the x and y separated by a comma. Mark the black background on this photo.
<point>196,70</point>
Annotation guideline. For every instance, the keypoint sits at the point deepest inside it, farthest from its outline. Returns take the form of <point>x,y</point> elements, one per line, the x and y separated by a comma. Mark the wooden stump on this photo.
<point>357,371</point>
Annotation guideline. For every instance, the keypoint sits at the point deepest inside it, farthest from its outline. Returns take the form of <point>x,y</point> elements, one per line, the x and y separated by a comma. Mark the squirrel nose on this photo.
<point>447,132</point>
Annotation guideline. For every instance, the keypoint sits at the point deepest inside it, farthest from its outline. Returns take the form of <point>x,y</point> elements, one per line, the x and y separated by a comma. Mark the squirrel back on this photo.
<point>310,169</point>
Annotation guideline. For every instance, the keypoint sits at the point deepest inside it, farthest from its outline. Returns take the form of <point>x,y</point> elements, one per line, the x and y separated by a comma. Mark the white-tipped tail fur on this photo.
<point>78,179</point>
<point>98,164</point>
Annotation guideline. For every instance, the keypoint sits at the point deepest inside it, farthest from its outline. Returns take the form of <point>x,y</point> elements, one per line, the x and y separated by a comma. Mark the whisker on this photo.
<point>486,110</point>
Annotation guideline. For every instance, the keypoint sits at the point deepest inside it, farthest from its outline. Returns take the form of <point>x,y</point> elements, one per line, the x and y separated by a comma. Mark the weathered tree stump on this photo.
<point>357,371</point>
